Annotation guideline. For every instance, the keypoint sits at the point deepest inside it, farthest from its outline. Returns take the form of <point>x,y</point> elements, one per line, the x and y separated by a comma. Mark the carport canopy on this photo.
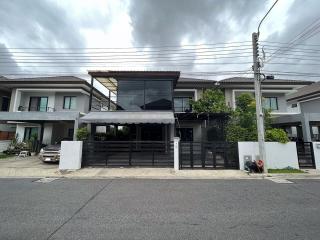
<point>125,117</point>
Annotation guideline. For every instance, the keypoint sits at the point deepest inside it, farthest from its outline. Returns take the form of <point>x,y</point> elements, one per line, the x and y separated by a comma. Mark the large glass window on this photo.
<point>135,95</point>
<point>270,103</point>
<point>130,95</point>
<point>69,102</point>
<point>158,95</point>
<point>182,104</point>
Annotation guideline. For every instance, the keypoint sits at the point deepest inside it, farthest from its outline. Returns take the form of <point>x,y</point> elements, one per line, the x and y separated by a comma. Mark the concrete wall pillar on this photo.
<point>70,155</point>
<point>172,130</point>
<point>316,152</point>
<point>75,128</point>
<point>176,150</point>
<point>306,128</point>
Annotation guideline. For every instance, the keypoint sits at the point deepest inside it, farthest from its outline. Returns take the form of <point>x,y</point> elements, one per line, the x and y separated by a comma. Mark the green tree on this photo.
<point>242,125</point>
<point>212,101</point>
<point>82,134</point>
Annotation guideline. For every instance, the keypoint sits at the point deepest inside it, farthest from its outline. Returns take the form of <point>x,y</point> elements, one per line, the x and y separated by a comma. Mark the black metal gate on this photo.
<point>209,155</point>
<point>305,155</point>
<point>128,153</point>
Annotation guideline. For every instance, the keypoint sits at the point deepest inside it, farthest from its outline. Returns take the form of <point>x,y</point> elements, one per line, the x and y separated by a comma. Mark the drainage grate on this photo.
<point>279,180</point>
<point>45,180</point>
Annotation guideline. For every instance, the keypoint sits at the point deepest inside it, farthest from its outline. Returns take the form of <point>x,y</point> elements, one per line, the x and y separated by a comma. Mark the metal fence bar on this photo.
<point>223,154</point>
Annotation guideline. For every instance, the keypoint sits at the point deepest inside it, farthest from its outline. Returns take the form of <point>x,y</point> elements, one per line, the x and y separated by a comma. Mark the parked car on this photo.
<point>51,153</point>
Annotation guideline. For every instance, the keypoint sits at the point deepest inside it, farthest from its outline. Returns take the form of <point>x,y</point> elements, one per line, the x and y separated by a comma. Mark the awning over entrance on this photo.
<point>125,117</point>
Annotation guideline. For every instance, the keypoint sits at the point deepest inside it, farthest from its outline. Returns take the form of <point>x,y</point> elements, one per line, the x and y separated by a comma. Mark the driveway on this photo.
<point>26,166</point>
<point>159,209</point>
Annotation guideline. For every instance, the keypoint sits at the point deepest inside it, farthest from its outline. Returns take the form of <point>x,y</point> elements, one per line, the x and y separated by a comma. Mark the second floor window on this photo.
<point>182,104</point>
<point>270,103</point>
<point>69,102</point>
<point>39,104</point>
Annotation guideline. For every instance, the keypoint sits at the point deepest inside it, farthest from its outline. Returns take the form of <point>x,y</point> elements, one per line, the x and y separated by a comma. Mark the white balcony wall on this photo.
<point>21,97</point>
<point>82,101</point>
<point>231,96</point>
<point>25,98</point>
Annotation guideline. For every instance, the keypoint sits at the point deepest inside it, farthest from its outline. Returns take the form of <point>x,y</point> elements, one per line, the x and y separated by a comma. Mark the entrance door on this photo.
<point>152,132</point>
<point>185,134</point>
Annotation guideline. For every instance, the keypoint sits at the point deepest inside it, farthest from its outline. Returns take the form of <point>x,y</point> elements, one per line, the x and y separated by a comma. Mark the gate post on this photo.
<point>176,143</point>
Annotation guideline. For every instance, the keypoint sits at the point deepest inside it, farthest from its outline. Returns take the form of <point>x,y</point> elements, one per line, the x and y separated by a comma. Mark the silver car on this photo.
<point>50,153</point>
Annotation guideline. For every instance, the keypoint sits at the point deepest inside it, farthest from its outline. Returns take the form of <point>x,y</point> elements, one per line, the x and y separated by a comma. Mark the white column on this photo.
<point>176,150</point>
<point>316,151</point>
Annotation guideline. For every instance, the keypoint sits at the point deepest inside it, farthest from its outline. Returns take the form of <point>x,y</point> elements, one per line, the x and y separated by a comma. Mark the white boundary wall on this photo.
<point>278,155</point>
<point>70,155</point>
<point>316,151</point>
<point>4,144</point>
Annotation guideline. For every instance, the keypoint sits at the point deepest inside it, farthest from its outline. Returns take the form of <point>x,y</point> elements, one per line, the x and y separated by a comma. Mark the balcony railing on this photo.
<point>36,109</point>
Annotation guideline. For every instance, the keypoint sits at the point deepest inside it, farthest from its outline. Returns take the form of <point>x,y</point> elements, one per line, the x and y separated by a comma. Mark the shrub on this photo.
<point>276,135</point>
<point>82,134</point>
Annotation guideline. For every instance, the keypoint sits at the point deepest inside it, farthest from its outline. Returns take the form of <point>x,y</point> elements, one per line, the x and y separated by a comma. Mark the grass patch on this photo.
<point>3,155</point>
<point>285,171</point>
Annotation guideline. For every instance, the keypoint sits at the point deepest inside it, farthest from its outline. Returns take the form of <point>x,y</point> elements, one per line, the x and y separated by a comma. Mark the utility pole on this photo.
<point>259,111</point>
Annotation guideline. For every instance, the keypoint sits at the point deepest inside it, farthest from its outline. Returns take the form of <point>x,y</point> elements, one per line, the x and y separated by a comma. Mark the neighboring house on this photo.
<point>304,124</point>
<point>49,107</point>
<point>274,93</point>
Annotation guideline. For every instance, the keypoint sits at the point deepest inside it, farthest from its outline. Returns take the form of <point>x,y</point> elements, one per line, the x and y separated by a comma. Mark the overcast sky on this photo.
<point>85,24</point>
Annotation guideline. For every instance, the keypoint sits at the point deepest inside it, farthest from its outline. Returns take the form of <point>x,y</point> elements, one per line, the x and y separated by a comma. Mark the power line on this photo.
<point>133,47</point>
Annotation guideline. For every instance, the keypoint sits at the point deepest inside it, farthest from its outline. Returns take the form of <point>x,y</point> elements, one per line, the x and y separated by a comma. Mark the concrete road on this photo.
<point>159,209</point>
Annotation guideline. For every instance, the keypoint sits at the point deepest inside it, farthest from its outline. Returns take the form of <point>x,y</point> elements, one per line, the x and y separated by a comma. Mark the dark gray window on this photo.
<point>69,102</point>
<point>38,104</point>
<point>5,104</point>
<point>136,95</point>
<point>158,95</point>
<point>270,103</point>
<point>30,132</point>
<point>182,104</point>
<point>130,95</point>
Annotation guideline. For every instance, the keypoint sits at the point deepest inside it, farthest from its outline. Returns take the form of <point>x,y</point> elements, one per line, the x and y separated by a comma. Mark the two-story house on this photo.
<point>48,107</point>
<point>304,124</point>
<point>191,127</point>
<point>144,106</point>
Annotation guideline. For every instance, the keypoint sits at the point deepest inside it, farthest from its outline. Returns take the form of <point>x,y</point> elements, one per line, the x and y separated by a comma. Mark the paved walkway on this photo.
<point>33,167</point>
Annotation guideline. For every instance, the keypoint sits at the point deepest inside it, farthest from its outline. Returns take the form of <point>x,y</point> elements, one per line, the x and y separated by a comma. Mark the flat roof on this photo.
<point>109,78</point>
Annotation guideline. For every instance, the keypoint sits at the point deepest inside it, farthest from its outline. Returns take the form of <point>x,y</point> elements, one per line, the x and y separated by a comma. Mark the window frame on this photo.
<point>29,130</point>
<point>64,101</point>
<point>183,105</point>
<point>38,103</point>
<point>269,103</point>
<point>144,95</point>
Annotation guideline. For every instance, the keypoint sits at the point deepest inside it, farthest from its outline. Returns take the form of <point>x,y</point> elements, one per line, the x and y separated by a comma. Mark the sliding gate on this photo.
<point>209,155</point>
<point>128,153</point>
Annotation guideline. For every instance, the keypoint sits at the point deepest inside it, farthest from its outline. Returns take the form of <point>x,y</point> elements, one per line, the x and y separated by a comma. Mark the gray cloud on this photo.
<point>6,56</point>
<point>38,24</point>
<point>168,22</point>
<point>300,16</point>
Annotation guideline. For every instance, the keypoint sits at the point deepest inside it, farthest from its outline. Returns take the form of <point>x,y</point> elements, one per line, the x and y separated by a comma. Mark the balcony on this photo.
<point>35,109</point>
